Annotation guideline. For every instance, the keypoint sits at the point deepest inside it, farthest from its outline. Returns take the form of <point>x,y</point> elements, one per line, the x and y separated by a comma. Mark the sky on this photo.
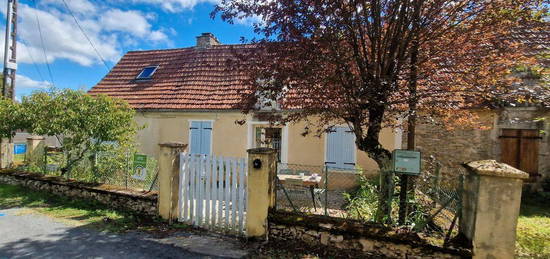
<point>114,27</point>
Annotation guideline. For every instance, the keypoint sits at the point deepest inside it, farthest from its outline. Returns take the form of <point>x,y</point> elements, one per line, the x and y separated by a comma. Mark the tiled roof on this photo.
<point>186,79</point>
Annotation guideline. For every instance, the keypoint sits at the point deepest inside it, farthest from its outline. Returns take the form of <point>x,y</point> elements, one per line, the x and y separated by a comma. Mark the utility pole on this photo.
<point>10,67</point>
<point>406,181</point>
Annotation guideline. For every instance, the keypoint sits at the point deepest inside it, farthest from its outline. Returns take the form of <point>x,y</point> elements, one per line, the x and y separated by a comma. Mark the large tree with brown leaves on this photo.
<point>370,62</point>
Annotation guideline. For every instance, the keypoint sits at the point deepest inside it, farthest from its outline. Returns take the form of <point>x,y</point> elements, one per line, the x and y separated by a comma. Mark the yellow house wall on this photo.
<point>231,139</point>
<point>310,150</point>
<point>228,138</point>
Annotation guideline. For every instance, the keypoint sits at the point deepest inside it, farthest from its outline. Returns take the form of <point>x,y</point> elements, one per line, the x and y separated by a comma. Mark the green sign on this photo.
<point>140,161</point>
<point>406,162</point>
<point>140,167</point>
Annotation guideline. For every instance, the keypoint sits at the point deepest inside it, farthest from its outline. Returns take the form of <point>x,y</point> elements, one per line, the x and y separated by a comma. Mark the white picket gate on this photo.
<point>213,192</point>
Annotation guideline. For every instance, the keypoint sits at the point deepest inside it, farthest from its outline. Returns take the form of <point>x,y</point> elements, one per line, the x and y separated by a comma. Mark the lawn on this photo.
<point>533,231</point>
<point>75,211</point>
<point>19,158</point>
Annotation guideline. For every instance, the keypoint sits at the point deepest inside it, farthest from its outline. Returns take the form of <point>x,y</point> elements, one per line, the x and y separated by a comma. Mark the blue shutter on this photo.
<point>195,131</point>
<point>348,148</point>
<point>201,137</point>
<point>340,148</point>
<point>332,148</point>
<point>206,137</point>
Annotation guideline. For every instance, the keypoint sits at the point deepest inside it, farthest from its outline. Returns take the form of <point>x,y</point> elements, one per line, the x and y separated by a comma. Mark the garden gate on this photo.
<point>213,192</point>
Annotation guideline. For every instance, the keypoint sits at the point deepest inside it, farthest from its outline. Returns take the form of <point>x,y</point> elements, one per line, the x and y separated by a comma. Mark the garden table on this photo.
<point>311,182</point>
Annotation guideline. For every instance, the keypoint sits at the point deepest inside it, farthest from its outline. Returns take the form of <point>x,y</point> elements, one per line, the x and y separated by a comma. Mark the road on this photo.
<point>33,235</point>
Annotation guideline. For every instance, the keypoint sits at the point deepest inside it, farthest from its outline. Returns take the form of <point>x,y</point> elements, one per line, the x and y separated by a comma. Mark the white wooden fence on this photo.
<point>213,192</point>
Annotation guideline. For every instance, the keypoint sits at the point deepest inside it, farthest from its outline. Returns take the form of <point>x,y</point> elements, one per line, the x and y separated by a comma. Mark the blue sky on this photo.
<point>114,27</point>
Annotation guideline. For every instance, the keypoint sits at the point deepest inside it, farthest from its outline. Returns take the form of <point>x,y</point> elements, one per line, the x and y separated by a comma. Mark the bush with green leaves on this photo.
<point>85,125</point>
<point>362,203</point>
<point>11,117</point>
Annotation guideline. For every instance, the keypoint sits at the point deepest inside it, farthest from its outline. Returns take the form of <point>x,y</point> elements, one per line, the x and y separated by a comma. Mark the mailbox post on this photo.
<point>407,163</point>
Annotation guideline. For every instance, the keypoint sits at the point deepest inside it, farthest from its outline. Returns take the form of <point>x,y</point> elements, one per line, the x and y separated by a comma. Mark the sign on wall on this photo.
<point>19,149</point>
<point>140,167</point>
<point>406,162</point>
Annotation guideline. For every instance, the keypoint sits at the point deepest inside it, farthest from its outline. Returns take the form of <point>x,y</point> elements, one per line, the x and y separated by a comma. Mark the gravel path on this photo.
<point>33,235</point>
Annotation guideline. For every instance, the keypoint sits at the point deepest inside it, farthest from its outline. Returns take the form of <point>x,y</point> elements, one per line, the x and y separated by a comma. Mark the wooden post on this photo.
<point>168,177</point>
<point>262,170</point>
<point>6,153</point>
<point>35,150</point>
<point>491,203</point>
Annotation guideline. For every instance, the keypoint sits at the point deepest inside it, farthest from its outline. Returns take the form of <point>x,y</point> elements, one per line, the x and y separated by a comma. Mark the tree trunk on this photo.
<point>372,146</point>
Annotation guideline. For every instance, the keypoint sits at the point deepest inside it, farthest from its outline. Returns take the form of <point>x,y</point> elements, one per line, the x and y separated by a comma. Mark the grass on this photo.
<point>77,211</point>
<point>19,159</point>
<point>533,231</point>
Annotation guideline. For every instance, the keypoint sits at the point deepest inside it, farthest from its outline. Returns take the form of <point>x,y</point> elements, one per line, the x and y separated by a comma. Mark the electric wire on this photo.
<point>42,43</point>
<point>85,35</point>
<point>34,63</point>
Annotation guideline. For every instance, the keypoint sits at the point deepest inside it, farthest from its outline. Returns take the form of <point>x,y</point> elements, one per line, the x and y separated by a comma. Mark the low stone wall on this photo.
<point>144,203</point>
<point>354,237</point>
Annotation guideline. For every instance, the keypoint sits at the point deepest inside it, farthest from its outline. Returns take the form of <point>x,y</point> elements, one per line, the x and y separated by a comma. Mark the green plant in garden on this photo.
<point>85,125</point>
<point>82,123</point>
<point>362,203</point>
<point>11,117</point>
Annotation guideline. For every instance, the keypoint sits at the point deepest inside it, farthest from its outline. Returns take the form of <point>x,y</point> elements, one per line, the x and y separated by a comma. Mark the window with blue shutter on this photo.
<point>200,137</point>
<point>341,149</point>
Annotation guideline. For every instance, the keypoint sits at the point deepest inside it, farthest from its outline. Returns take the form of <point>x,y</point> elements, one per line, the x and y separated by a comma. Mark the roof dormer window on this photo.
<point>147,73</point>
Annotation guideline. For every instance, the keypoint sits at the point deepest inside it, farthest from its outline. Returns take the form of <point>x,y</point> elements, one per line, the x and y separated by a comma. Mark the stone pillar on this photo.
<point>35,150</point>
<point>491,202</point>
<point>168,179</point>
<point>6,153</point>
<point>262,166</point>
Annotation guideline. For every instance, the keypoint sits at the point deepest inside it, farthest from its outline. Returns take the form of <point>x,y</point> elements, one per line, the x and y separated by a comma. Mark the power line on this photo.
<point>85,35</point>
<point>42,42</point>
<point>34,63</point>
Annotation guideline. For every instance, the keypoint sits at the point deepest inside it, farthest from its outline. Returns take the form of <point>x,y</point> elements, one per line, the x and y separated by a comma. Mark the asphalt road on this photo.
<point>33,235</point>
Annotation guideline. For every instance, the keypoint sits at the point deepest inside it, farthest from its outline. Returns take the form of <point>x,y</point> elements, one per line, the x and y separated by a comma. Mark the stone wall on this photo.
<point>140,202</point>
<point>452,147</point>
<point>353,237</point>
<point>457,145</point>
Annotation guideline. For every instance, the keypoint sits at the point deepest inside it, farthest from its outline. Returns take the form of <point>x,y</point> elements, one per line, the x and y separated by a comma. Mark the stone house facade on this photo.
<point>452,147</point>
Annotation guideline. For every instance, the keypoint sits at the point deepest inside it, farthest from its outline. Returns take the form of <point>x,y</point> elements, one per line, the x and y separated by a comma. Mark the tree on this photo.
<point>369,62</point>
<point>84,124</point>
<point>11,114</point>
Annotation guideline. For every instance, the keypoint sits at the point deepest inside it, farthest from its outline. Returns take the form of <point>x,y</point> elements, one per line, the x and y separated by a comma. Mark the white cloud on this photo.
<point>132,22</point>
<point>77,6</point>
<point>176,5</point>
<point>158,36</point>
<point>23,82</point>
<point>110,30</point>
<point>63,39</point>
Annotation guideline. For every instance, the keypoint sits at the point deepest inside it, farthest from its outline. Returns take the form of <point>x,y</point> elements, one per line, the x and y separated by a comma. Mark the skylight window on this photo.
<point>147,73</point>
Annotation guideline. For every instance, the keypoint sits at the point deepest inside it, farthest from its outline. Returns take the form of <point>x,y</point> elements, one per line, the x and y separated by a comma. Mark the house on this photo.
<point>188,95</point>
<point>514,133</point>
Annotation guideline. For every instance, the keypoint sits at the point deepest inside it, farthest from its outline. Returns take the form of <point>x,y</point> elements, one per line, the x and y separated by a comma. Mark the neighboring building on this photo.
<point>516,133</point>
<point>513,135</point>
<point>21,138</point>
<point>189,95</point>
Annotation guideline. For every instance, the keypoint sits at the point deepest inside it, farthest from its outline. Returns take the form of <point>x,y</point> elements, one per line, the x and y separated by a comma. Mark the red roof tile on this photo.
<point>186,79</point>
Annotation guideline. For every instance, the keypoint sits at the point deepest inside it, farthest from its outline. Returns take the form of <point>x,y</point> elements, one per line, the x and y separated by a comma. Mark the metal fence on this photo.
<point>353,194</point>
<point>102,167</point>
<point>438,200</point>
<point>315,189</point>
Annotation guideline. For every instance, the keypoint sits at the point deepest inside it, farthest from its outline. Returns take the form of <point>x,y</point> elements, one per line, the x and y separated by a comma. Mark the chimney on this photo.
<point>207,40</point>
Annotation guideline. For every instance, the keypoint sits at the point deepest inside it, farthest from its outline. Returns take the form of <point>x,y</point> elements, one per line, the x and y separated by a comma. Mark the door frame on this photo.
<point>251,134</point>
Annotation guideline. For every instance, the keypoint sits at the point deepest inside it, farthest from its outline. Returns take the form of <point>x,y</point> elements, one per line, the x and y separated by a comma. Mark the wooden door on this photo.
<point>520,149</point>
